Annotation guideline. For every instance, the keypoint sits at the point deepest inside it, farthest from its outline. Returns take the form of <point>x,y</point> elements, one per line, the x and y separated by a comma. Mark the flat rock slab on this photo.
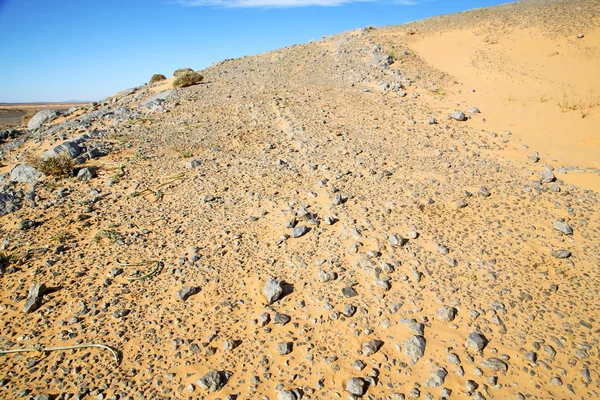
<point>25,173</point>
<point>41,118</point>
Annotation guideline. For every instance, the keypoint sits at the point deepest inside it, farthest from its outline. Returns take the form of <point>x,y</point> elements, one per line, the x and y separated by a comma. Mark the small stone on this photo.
<point>495,364</point>
<point>186,291</point>
<point>458,115</point>
<point>476,341</point>
<point>86,174</point>
<point>34,298</point>
<point>298,231</point>
<point>349,291</point>
<point>371,347</point>
<point>580,36</point>
<point>415,347</point>
<point>284,348</point>
<point>530,356</point>
<point>546,176</point>
<point>561,253</point>
<point>212,381</point>
<point>356,386</point>
<point>563,227</point>
<point>272,290</point>
<point>446,313</point>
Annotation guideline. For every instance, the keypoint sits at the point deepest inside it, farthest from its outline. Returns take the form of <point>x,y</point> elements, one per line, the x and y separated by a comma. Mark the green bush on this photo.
<point>157,78</point>
<point>182,71</point>
<point>61,165</point>
<point>187,79</point>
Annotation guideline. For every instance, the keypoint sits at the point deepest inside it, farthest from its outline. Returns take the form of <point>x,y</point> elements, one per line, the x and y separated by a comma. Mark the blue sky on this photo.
<point>58,50</point>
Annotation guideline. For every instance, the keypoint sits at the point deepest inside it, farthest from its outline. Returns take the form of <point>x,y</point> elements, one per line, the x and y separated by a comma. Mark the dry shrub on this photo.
<point>157,78</point>
<point>187,79</point>
<point>182,71</point>
<point>61,165</point>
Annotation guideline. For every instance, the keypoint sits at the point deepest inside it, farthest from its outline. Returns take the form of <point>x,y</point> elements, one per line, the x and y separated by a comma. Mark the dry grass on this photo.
<point>60,166</point>
<point>157,78</point>
<point>182,71</point>
<point>576,102</point>
<point>187,79</point>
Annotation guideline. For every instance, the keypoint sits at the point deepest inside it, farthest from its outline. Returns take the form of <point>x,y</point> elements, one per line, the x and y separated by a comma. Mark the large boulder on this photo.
<point>157,99</point>
<point>25,173</point>
<point>41,118</point>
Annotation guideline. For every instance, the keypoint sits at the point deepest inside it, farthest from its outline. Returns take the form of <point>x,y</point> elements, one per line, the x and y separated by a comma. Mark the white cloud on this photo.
<point>280,3</point>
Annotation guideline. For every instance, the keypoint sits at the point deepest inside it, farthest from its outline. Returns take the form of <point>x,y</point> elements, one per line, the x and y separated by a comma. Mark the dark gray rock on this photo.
<point>71,148</point>
<point>349,291</point>
<point>157,99</point>
<point>281,319</point>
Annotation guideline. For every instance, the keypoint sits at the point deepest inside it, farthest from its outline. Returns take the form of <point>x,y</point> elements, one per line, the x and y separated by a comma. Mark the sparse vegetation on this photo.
<point>574,102</point>
<point>187,79</point>
<point>182,71</point>
<point>59,237</point>
<point>60,166</point>
<point>186,154</point>
<point>157,78</point>
<point>6,259</point>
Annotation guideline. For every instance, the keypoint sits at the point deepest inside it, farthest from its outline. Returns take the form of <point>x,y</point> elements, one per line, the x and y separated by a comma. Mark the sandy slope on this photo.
<point>328,136</point>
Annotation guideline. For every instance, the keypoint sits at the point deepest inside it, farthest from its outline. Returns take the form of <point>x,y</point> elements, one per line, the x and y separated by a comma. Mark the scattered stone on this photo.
<point>41,118</point>
<point>284,348</point>
<point>459,116</point>
<point>86,174</point>
<point>34,298</point>
<point>561,253</point>
<point>546,176</point>
<point>212,381</point>
<point>415,347</point>
<point>495,364</point>
<point>446,313</point>
<point>25,173</point>
<point>298,231</point>
<point>563,227</point>
<point>272,290</point>
<point>476,341</point>
<point>356,386</point>
<point>187,291</point>
<point>371,347</point>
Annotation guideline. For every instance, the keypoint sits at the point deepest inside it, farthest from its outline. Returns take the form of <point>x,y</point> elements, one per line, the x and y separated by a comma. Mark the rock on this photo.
<point>415,347</point>
<point>71,148</point>
<point>34,298</point>
<point>186,291</point>
<point>546,176</point>
<point>397,240</point>
<point>561,253</point>
<point>212,381</point>
<point>459,116</point>
<point>530,356</point>
<point>281,319</point>
<point>193,164</point>
<point>272,290</point>
<point>349,310</point>
<point>25,173</point>
<point>473,110</point>
<point>484,191</point>
<point>432,121</point>
<point>356,386</point>
<point>298,231</point>
<point>289,395</point>
<point>349,291</point>
<point>563,227</point>
<point>476,341</point>
<point>534,157</point>
<point>437,379</point>
<point>495,364</point>
<point>86,174</point>
<point>580,36</point>
<point>41,118</point>
<point>371,347</point>
<point>446,313</point>
<point>284,348</point>
<point>157,99</point>
<point>27,224</point>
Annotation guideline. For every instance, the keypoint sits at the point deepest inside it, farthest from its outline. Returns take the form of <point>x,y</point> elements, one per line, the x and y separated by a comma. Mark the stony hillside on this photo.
<point>336,219</point>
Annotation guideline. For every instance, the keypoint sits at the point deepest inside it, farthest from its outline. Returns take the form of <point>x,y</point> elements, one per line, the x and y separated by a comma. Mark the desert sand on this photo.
<point>401,212</point>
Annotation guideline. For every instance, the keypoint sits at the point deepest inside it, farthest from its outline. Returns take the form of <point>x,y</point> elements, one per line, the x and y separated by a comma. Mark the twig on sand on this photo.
<point>114,352</point>
<point>157,265</point>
